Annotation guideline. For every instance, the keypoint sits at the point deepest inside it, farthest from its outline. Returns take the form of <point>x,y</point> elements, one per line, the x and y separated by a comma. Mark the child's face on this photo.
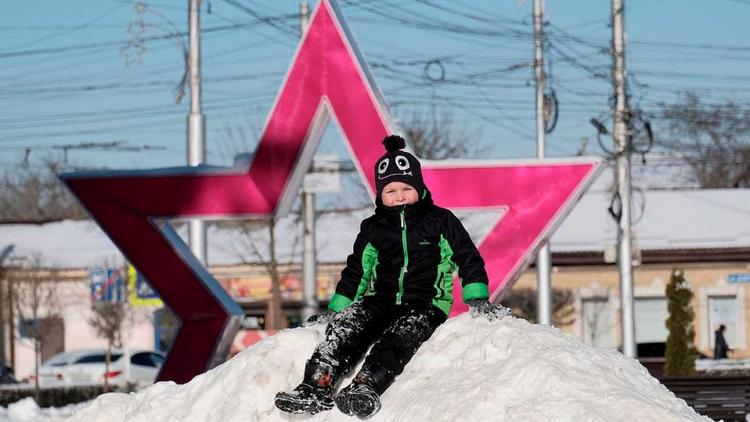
<point>398,193</point>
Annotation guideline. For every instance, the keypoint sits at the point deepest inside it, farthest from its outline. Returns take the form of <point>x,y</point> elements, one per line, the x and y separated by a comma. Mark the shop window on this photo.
<point>596,322</point>
<point>723,310</point>
<point>650,319</point>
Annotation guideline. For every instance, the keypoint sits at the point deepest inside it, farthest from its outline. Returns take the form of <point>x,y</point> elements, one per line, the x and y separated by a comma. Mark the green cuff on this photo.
<point>339,302</point>
<point>475,291</point>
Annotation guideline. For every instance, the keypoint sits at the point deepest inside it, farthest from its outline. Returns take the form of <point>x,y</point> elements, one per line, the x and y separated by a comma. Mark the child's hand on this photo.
<point>322,318</point>
<point>483,308</point>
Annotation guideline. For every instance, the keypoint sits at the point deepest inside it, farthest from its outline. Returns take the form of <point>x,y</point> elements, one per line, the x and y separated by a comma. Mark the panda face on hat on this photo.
<point>397,165</point>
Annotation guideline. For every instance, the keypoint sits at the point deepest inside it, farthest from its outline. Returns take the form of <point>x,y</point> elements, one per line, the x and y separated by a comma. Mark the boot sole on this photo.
<point>361,405</point>
<point>291,404</point>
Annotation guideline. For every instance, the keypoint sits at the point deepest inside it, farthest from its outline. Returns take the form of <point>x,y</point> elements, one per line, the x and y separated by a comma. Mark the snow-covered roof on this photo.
<point>682,219</point>
<point>666,219</point>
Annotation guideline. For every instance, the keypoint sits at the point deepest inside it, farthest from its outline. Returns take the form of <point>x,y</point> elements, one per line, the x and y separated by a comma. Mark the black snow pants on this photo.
<point>397,331</point>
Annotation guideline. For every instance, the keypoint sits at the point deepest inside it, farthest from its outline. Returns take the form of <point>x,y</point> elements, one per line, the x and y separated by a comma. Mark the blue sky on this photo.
<point>68,75</point>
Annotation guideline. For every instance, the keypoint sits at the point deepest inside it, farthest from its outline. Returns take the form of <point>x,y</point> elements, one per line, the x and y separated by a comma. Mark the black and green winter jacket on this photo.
<point>408,254</point>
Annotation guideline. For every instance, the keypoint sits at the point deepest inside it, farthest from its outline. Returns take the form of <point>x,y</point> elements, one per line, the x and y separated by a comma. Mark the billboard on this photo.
<point>140,292</point>
<point>107,284</point>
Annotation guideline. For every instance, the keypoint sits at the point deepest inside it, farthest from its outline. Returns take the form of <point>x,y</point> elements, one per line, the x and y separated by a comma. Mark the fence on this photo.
<point>724,397</point>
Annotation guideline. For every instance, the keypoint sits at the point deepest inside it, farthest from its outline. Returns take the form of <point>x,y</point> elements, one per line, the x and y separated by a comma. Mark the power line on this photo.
<point>106,44</point>
<point>55,88</point>
<point>73,29</point>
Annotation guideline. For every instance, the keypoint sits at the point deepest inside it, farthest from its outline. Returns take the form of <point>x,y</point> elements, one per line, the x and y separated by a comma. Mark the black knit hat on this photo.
<point>397,165</point>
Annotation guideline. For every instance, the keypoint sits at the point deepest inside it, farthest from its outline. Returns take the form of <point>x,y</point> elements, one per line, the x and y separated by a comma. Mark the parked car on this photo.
<point>88,367</point>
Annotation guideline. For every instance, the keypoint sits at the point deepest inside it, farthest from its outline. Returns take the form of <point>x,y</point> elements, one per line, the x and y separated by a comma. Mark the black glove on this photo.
<point>483,308</point>
<point>322,318</point>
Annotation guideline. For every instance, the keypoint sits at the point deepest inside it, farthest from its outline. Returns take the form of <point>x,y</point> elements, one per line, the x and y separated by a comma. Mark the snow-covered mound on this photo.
<point>471,369</point>
<point>26,410</point>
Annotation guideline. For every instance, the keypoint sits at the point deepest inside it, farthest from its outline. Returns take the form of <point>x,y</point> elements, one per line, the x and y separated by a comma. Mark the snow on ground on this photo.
<point>26,410</point>
<point>722,364</point>
<point>471,369</point>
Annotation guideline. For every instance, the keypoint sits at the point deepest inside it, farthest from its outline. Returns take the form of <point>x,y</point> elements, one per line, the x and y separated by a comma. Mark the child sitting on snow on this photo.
<point>395,291</point>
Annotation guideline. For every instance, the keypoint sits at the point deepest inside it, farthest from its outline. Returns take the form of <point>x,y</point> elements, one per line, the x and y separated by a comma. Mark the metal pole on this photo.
<point>126,328</point>
<point>3,256</point>
<point>309,270</point>
<point>309,266</point>
<point>196,154</point>
<point>304,16</point>
<point>2,319</point>
<point>543,260</point>
<point>11,326</point>
<point>622,153</point>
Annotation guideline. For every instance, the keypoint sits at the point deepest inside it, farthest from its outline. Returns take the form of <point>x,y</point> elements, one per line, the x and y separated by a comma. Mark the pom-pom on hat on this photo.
<point>397,165</point>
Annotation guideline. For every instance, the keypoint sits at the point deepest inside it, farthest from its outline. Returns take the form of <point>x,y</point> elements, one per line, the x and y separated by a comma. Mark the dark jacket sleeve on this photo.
<point>470,264</point>
<point>350,283</point>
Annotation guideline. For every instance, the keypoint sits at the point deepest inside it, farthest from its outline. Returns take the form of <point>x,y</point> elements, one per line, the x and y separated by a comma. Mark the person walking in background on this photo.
<point>720,343</point>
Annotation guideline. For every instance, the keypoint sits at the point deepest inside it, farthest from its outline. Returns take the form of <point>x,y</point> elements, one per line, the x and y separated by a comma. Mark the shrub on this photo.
<point>680,352</point>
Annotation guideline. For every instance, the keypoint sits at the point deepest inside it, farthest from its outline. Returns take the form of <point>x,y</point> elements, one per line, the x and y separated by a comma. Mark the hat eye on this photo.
<point>383,166</point>
<point>402,162</point>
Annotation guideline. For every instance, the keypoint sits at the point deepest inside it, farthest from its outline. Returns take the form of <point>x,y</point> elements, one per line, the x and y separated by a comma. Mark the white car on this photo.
<point>80,367</point>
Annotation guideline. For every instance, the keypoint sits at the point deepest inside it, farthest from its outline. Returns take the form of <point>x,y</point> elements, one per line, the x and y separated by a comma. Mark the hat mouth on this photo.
<point>406,173</point>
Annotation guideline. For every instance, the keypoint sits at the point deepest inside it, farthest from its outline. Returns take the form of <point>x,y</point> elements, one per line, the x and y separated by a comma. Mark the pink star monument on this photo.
<point>327,78</point>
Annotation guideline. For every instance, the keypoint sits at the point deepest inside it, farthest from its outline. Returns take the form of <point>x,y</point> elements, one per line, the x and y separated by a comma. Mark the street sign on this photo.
<point>324,177</point>
<point>739,278</point>
<point>321,182</point>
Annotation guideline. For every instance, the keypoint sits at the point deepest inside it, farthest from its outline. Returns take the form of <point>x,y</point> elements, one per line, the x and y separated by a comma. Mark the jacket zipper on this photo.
<point>406,260</point>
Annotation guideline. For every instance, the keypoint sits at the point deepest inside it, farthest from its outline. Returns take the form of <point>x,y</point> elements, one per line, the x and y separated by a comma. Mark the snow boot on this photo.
<point>305,398</point>
<point>358,398</point>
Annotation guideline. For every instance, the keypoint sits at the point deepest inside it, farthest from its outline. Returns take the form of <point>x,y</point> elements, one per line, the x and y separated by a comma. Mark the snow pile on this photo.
<point>26,410</point>
<point>473,370</point>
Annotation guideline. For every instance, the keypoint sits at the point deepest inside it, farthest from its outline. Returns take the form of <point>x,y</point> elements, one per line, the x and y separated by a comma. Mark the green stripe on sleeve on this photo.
<point>475,291</point>
<point>339,302</point>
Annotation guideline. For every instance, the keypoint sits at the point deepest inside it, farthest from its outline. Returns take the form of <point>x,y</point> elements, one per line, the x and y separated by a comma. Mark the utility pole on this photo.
<point>543,259</point>
<point>11,324</point>
<point>4,254</point>
<point>304,16</point>
<point>309,266</point>
<point>196,154</point>
<point>622,157</point>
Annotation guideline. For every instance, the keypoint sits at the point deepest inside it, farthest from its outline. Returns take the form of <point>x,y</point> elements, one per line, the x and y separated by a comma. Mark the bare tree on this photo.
<point>34,295</point>
<point>108,319</point>
<point>274,315</point>
<point>713,138</point>
<point>435,136</point>
<point>523,304</point>
<point>36,195</point>
<point>255,247</point>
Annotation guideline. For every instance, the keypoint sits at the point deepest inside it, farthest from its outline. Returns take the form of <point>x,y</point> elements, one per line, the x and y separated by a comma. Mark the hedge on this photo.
<point>58,396</point>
